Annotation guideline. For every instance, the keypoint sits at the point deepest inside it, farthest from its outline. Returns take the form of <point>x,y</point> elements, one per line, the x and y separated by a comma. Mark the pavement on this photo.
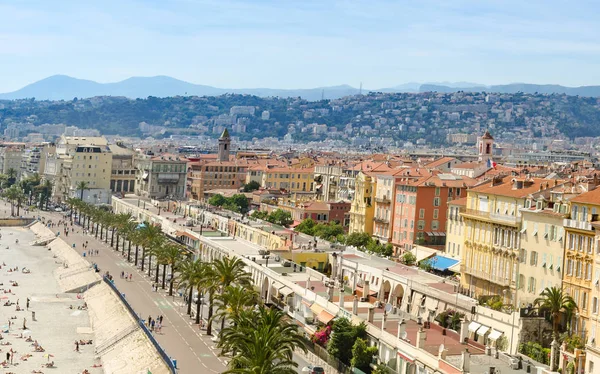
<point>181,338</point>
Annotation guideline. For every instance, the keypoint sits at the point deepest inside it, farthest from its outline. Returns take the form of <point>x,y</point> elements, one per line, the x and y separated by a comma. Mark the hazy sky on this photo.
<point>301,43</point>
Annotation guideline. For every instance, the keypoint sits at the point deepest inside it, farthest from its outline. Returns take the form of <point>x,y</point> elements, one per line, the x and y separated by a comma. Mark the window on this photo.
<point>595,305</point>
<point>531,285</point>
<point>435,225</point>
<point>437,191</point>
<point>436,213</point>
<point>420,225</point>
<point>584,300</point>
<point>436,201</point>
<point>421,213</point>
<point>534,258</point>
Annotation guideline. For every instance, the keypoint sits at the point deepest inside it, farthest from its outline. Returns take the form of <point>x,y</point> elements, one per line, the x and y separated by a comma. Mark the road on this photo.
<point>180,337</point>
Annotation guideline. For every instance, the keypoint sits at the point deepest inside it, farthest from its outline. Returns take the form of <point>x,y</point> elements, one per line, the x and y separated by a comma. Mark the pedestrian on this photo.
<point>24,323</point>
<point>12,356</point>
<point>152,327</point>
<point>8,356</point>
<point>122,274</point>
<point>76,346</point>
<point>9,324</point>
<point>33,315</point>
<point>28,303</point>
<point>160,319</point>
<point>130,277</point>
<point>149,320</point>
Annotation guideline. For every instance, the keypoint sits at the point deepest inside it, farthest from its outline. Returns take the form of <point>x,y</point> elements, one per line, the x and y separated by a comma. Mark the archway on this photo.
<point>397,296</point>
<point>386,287</point>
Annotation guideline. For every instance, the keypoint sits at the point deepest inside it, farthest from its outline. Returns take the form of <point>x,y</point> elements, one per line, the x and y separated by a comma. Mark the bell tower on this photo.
<point>486,147</point>
<point>224,145</point>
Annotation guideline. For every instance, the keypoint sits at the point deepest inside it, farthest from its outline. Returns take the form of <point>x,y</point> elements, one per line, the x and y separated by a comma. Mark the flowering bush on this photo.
<point>322,336</point>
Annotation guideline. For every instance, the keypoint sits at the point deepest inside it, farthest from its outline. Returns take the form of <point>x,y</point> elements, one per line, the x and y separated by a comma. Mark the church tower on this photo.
<point>224,145</point>
<point>486,147</point>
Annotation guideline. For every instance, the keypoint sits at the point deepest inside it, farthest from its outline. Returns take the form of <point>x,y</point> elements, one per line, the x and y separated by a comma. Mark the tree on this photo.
<point>191,274</point>
<point>171,256</point>
<point>81,186</point>
<point>408,259</point>
<point>555,301</point>
<point>217,200</point>
<point>11,175</point>
<point>251,186</point>
<point>358,239</point>
<point>343,338</point>
<point>240,201</point>
<point>306,226</point>
<point>258,214</point>
<point>280,217</point>
<point>380,369</point>
<point>362,355</point>
<point>261,340</point>
<point>233,301</point>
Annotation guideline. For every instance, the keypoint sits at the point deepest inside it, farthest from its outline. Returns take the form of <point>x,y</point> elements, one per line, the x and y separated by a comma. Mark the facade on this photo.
<point>362,210</point>
<point>289,179</point>
<point>122,176</point>
<point>327,181</point>
<point>492,240</point>
<point>34,159</point>
<point>11,158</point>
<point>580,258</point>
<point>455,228</point>
<point>216,175</point>
<point>384,207</point>
<point>421,207</point>
<point>160,177</point>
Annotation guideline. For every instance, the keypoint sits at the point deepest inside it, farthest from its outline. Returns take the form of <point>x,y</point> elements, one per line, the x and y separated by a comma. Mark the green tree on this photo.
<point>82,186</point>
<point>280,217</point>
<point>307,226</point>
<point>11,177</point>
<point>343,338</point>
<point>261,341</point>
<point>191,277</point>
<point>358,239</point>
<point>329,231</point>
<point>258,214</point>
<point>362,355</point>
<point>251,186</point>
<point>239,200</point>
<point>217,200</point>
<point>408,259</point>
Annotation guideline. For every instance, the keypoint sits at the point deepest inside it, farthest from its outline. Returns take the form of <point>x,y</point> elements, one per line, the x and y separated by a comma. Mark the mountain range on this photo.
<point>63,87</point>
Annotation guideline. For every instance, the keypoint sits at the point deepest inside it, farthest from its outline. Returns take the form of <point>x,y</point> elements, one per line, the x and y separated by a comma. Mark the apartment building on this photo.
<point>455,228</point>
<point>362,210</point>
<point>34,158</point>
<point>122,176</point>
<point>580,268</point>
<point>492,240</point>
<point>384,206</point>
<point>327,178</point>
<point>421,207</point>
<point>206,176</point>
<point>288,178</point>
<point>11,158</point>
<point>162,176</point>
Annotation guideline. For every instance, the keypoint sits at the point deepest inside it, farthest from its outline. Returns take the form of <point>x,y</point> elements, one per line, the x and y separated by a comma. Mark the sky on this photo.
<point>302,43</point>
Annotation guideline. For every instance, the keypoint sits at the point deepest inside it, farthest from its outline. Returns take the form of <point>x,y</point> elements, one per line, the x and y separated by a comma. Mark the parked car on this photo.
<point>317,370</point>
<point>58,209</point>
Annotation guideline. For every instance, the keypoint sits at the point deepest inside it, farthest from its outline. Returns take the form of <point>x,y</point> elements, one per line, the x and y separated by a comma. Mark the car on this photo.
<point>59,209</point>
<point>317,370</point>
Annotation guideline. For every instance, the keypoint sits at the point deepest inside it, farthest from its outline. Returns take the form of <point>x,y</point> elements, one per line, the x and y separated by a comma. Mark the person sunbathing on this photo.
<point>50,364</point>
<point>37,372</point>
<point>39,348</point>
<point>29,339</point>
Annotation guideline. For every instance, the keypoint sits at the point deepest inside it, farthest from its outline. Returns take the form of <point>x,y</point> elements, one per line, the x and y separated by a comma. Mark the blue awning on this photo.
<point>442,263</point>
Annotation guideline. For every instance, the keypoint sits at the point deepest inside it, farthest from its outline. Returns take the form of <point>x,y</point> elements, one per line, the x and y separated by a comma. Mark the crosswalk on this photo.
<point>163,304</point>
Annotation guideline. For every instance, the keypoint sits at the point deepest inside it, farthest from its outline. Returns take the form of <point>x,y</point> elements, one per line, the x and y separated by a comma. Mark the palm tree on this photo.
<point>192,278</point>
<point>82,186</point>
<point>11,194</point>
<point>11,175</point>
<point>45,192</point>
<point>172,255</point>
<point>151,236</point>
<point>261,341</point>
<point>121,222</point>
<point>554,300</point>
<point>229,271</point>
<point>233,300</point>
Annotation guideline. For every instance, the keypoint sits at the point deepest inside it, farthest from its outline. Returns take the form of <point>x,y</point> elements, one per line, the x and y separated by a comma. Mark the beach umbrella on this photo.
<point>3,297</point>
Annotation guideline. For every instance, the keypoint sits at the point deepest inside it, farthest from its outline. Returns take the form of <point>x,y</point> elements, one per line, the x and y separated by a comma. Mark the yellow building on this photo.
<point>492,222</point>
<point>289,179</point>
<point>362,209</point>
<point>580,280</point>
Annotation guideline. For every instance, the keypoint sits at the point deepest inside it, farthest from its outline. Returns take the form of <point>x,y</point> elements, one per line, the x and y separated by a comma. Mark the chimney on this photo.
<point>355,305</point>
<point>371,314</point>
<point>466,361</point>
<point>401,328</point>
<point>421,338</point>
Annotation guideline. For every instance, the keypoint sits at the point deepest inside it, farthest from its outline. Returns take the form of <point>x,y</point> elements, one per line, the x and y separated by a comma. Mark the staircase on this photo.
<point>42,241</point>
<point>102,348</point>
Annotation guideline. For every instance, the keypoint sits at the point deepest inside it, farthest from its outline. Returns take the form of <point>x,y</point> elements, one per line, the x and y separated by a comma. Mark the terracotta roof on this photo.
<point>468,165</point>
<point>168,157</point>
<point>487,135</point>
<point>447,180</point>
<point>459,202</point>
<point>505,187</point>
<point>439,162</point>
<point>592,197</point>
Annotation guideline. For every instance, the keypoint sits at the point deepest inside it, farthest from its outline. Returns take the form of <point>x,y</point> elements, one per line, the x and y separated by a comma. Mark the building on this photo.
<point>455,228</point>
<point>33,160</point>
<point>492,241</point>
<point>122,175</point>
<point>205,176</point>
<point>161,177</point>
<point>420,207</point>
<point>288,178</point>
<point>362,210</point>
<point>327,180</point>
<point>11,158</point>
<point>384,207</point>
<point>224,146</point>
<point>318,211</point>
<point>486,147</point>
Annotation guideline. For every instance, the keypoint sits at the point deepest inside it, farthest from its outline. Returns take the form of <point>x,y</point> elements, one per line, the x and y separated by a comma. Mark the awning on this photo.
<point>422,253</point>
<point>442,263</point>
<point>495,334</point>
<point>473,326</point>
<point>316,309</point>
<point>406,358</point>
<point>285,291</point>
<point>483,330</point>
<point>306,303</point>
<point>186,234</point>
<point>455,268</point>
<point>325,317</point>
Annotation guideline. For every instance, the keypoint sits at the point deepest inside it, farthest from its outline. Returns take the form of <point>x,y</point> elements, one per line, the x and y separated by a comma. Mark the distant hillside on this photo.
<point>590,91</point>
<point>63,87</point>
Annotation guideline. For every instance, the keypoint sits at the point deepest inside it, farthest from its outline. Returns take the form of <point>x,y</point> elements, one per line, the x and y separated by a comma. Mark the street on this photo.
<point>180,337</point>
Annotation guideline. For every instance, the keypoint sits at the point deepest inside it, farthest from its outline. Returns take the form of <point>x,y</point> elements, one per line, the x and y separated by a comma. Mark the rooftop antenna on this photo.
<point>323,94</point>
<point>360,89</point>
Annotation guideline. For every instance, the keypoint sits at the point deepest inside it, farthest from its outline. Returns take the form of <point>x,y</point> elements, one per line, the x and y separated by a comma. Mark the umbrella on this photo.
<point>3,297</point>
<point>48,355</point>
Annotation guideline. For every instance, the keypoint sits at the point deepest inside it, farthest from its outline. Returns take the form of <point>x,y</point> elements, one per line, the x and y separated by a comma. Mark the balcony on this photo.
<point>497,217</point>
<point>381,220</point>
<point>579,225</point>
<point>382,199</point>
<point>487,276</point>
